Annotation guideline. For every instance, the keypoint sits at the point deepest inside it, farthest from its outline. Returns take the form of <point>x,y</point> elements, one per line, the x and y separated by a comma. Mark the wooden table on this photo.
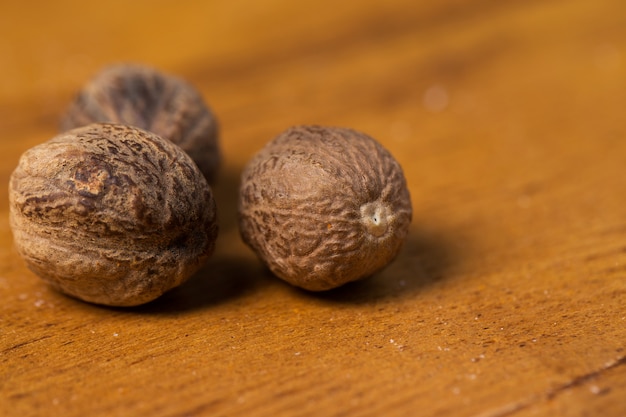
<point>509,298</point>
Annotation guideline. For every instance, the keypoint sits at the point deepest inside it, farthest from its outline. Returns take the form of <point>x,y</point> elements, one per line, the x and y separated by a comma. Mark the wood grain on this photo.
<point>509,297</point>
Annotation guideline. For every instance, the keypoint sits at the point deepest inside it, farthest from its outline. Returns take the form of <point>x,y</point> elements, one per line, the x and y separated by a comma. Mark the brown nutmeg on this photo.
<point>324,206</point>
<point>143,97</point>
<point>111,214</point>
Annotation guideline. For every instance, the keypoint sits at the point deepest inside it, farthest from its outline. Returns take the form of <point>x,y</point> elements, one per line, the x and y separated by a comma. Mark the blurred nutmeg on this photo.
<point>323,206</point>
<point>111,214</point>
<point>144,97</point>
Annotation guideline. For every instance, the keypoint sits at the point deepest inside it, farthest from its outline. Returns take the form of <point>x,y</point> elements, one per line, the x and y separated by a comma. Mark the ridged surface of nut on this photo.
<point>324,206</point>
<point>111,214</point>
<point>144,97</point>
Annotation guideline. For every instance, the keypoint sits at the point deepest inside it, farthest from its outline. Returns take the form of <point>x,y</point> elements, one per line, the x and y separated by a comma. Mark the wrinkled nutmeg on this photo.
<point>111,214</point>
<point>141,96</point>
<point>324,206</point>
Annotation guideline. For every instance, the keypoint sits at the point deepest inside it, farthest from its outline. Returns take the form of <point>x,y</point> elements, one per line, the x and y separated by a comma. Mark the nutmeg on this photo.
<point>144,97</point>
<point>111,214</point>
<point>324,206</point>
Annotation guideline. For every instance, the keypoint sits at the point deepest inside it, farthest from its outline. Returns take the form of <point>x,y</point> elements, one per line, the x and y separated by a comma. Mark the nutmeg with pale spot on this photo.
<point>323,206</point>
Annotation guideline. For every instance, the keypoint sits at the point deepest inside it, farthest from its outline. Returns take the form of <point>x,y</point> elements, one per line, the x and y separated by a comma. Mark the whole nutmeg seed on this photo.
<point>324,206</point>
<point>111,214</point>
<point>144,97</point>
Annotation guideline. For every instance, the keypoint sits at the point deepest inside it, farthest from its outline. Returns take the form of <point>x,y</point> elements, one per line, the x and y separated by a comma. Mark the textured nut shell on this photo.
<point>111,214</point>
<point>324,206</point>
<point>141,96</point>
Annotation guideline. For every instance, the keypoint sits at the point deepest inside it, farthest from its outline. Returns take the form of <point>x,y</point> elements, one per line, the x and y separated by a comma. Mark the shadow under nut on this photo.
<point>324,206</point>
<point>111,214</point>
<point>144,97</point>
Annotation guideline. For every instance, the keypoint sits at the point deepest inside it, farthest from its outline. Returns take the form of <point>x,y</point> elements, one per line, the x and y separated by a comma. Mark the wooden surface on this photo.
<point>509,298</point>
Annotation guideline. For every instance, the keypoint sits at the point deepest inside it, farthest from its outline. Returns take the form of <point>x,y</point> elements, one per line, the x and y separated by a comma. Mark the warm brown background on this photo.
<point>509,299</point>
